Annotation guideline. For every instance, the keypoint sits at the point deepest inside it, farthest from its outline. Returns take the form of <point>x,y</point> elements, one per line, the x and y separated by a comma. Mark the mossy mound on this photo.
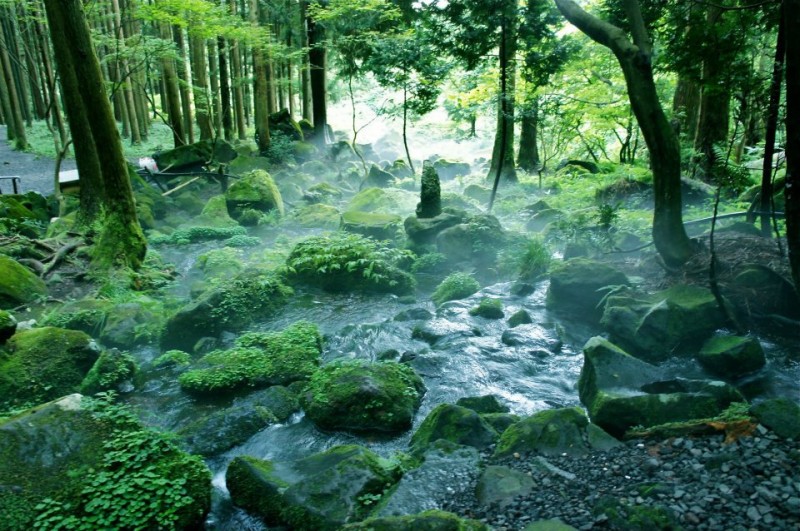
<point>456,286</point>
<point>781,415</point>
<point>378,178</point>
<point>554,432</point>
<point>79,464</point>
<point>654,327</point>
<point>189,235</point>
<point>488,308</point>
<point>318,493</point>
<point>448,170</point>
<point>576,287</point>
<point>86,315</point>
<point>215,214</point>
<point>319,216</point>
<point>323,192</point>
<point>483,404</point>
<point>230,306</point>
<point>455,424</point>
<point>519,317</point>
<point>423,231</point>
<point>433,520</point>
<point>373,225</point>
<point>18,284</point>
<point>254,191</point>
<point>363,397</point>
<point>112,369</point>
<point>42,364</point>
<point>349,262</point>
<point>621,391</point>
<point>383,200</point>
<point>257,360</point>
<point>131,324</point>
<point>8,325</point>
<point>477,241</point>
<point>732,356</point>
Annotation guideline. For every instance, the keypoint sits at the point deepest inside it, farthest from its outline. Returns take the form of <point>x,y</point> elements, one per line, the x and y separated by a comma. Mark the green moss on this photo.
<point>349,262</point>
<point>18,284</point>
<point>199,234</point>
<point>732,356</point>
<point>359,396</point>
<point>454,424</point>
<point>551,432</point>
<point>317,216</point>
<point>224,262</point>
<point>258,360</point>
<point>372,224</point>
<point>8,325</point>
<point>42,364</point>
<point>432,520</point>
<point>518,318</point>
<point>87,315</point>
<point>242,241</point>
<point>488,308</point>
<point>111,369</point>
<point>215,214</point>
<point>120,244</point>
<point>372,200</point>
<point>256,190</point>
<point>456,286</point>
<point>172,358</point>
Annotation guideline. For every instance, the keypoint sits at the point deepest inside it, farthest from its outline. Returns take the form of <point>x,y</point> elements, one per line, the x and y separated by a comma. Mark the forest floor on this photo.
<point>35,171</point>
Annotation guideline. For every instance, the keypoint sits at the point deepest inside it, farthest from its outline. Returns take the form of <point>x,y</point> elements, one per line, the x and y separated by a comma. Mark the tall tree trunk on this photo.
<point>685,106</point>
<point>305,79</point>
<point>171,95</point>
<point>120,242</point>
<point>15,117</point>
<point>183,84</point>
<point>225,90</point>
<point>261,87</point>
<point>12,34</point>
<point>213,79</point>
<point>791,15</point>
<point>528,155</point>
<point>635,59</point>
<point>201,92</point>
<point>715,103</point>
<point>317,66</point>
<point>504,133</point>
<point>772,128</point>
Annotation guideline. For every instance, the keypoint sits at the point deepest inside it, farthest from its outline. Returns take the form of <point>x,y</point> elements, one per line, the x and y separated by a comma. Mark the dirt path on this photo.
<point>35,172</point>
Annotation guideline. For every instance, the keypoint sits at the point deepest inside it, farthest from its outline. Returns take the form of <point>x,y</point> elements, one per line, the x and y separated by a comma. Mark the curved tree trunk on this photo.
<point>120,242</point>
<point>635,59</point>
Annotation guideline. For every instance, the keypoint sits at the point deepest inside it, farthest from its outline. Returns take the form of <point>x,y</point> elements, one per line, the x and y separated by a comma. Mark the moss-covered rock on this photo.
<point>576,287</point>
<point>377,178</point>
<point>197,234</point>
<point>96,464</point>
<point>42,364</point>
<point>317,216</point>
<point>621,391</point>
<point>400,169</point>
<point>228,427</point>
<point>363,397</point>
<point>257,360</point>
<point>456,286</point>
<point>500,421</point>
<point>622,515</point>
<point>656,326</point>
<point>383,200</point>
<point>131,324</point>
<point>553,432</point>
<point>430,202</point>
<point>500,485</point>
<point>318,493</point>
<point>477,241</point>
<point>433,520</point>
<point>349,262</point>
<point>483,404</point>
<point>8,325</point>
<point>254,191</point>
<point>194,156</point>
<point>520,317</point>
<point>423,231</point>
<point>215,214</point>
<point>781,415</point>
<point>323,192</point>
<point>18,284</point>
<point>373,225</point>
<point>112,370</point>
<point>230,306</point>
<point>449,170</point>
<point>732,356</point>
<point>488,308</point>
<point>454,424</point>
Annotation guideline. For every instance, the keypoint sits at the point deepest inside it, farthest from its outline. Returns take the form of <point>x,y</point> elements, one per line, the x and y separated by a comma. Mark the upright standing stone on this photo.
<point>430,204</point>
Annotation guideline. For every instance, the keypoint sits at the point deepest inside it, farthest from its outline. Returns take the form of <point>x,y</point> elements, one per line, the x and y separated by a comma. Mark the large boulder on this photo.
<point>317,216</point>
<point>554,432</point>
<point>732,356</point>
<point>382,200</point>
<point>781,415</point>
<point>621,391</point>
<point>215,214</point>
<point>423,231</point>
<point>374,225</point>
<point>80,463</point>
<point>432,520</point>
<point>130,324</point>
<point>254,191</point>
<point>225,428</point>
<point>230,306</point>
<point>576,287</point>
<point>18,284</point>
<point>455,424</point>
<point>363,397</point>
<point>446,473</point>
<point>283,123</point>
<point>86,315</point>
<point>655,327</point>
<point>449,170</point>
<point>42,364</point>
<point>318,493</point>
<point>477,241</point>
<point>377,178</point>
<point>257,360</point>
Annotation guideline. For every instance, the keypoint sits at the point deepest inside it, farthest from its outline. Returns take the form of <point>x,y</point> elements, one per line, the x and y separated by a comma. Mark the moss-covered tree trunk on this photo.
<point>791,15</point>
<point>172,96</point>
<point>120,241</point>
<point>504,133</point>
<point>261,88</point>
<point>305,79</point>
<point>200,80</point>
<point>317,65</point>
<point>635,58</point>
<point>224,90</point>
<point>528,154</point>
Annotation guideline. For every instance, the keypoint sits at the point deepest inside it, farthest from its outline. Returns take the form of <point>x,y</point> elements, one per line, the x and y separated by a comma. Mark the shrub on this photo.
<point>455,286</point>
<point>534,261</point>
<point>348,262</point>
<point>198,234</point>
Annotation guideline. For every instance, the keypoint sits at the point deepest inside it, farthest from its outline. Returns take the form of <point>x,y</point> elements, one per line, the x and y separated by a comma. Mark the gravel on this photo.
<point>35,172</point>
<point>702,483</point>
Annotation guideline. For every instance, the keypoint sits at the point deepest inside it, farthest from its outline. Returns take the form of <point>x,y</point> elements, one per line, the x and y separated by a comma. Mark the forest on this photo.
<point>397,265</point>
